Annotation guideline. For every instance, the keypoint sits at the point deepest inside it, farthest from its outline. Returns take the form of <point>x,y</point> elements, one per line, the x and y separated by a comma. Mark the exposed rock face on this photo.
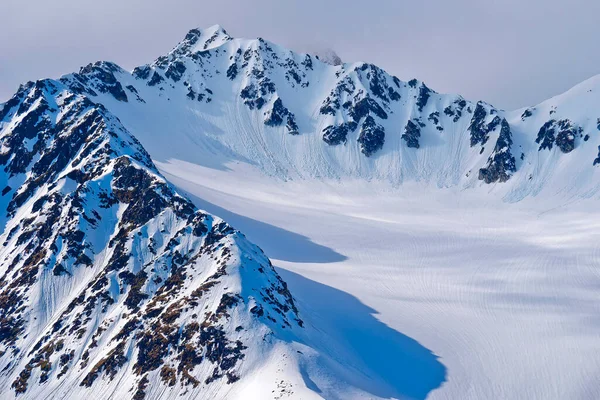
<point>278,114</point>
<point>424,94</point>
<point>112,274</point>
<point>546,136</point>
<point>597,159</point>
<point>337,134</point>
<point>501,163</point>
<point>455,110</point>
<point>411,134</point>
<point>479,128</point>
<point>372,136</point>
<point>560,133</point>
<point>99,76</point>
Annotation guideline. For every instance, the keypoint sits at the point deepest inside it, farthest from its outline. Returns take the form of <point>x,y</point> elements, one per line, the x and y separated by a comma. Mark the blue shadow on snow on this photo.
<point>276,242</point>
<point>404,368</point>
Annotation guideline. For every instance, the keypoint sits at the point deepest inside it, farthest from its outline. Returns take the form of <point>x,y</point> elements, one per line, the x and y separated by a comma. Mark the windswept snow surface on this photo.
<point>505,294</point>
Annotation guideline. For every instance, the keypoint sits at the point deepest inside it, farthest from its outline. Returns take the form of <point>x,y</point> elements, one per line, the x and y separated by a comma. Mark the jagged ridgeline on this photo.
<point>112,284</point>
<point>215,97</point>
<point>364,102</point>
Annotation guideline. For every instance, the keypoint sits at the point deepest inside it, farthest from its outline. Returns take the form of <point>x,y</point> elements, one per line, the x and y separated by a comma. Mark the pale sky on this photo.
<point>511,53</point>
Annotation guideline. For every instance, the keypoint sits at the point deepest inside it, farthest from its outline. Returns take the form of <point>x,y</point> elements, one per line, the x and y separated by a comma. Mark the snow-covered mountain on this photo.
<point>215,99</point>
<point>113,284</point>
<point>109,279</point>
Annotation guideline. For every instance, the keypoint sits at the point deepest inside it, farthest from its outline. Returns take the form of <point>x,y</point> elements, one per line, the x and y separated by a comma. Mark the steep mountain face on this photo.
<point>111,284</point>
<point>215,100</point>
<point>293,115</point>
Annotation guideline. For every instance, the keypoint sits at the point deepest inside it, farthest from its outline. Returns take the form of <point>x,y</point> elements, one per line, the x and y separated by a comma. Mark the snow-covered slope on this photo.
<point>216,100</point>
<point>222,99</point>
<point>114,286</point>
<point>561,143</point>
<point>504,293</point>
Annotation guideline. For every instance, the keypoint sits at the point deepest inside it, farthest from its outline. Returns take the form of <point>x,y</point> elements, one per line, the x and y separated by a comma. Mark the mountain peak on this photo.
<point>204,39</point>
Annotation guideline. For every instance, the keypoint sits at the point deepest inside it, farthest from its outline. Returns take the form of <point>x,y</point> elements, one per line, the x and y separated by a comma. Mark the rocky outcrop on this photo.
<point>372,136</point>
<point>278,114</point>
<point>560,133</point>
<point>479,128</point>
<point>501,163</point>
<point>412,133</point>
<point>337,134</point>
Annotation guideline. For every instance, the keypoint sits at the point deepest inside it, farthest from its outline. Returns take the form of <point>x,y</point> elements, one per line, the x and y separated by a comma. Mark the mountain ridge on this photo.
<point>292,116</point>
<point>97,252</point>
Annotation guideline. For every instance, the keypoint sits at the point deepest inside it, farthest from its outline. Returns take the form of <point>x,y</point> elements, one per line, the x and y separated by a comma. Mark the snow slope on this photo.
<point>112,285</point>
<point>409,225</point>
<point>505,294</point>
<point>215,100</point>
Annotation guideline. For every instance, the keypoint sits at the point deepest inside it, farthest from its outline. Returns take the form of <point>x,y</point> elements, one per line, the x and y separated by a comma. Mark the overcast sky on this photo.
<point>511,53</point>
